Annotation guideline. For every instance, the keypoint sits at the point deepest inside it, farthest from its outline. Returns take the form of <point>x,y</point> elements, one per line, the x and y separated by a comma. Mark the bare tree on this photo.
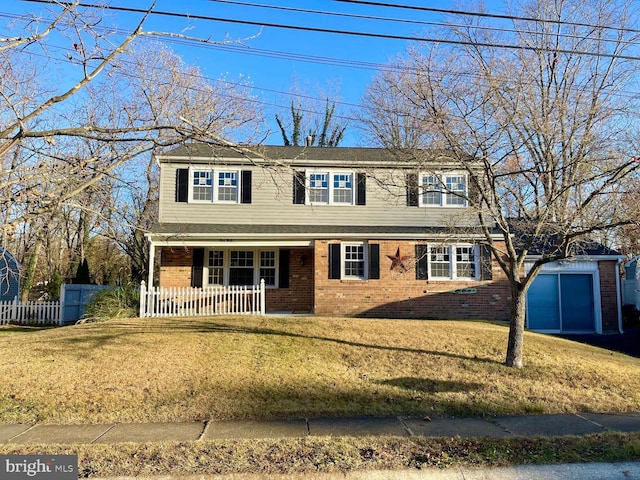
<point>58,138</point>
<point>88,116</point>
<point>544,107</point>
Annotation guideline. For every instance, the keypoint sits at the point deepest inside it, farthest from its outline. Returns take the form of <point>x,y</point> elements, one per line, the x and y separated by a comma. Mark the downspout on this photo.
<point>619,294</point>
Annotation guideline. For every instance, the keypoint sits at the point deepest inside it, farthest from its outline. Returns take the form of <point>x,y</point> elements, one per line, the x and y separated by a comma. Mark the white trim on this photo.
<point>213,172</point>
<point>453,273</point>
<point>572,268</point>
<point>444,192</point>
<point>305,239</point>
<point>188,242</point>
<point>330,188</point>
<point>343,261</point>
<point>226,264</point>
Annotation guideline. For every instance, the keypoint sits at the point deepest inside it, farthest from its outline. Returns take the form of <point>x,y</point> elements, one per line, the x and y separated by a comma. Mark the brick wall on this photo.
<point>399,295</point>
<point>175,271</point>
<point>298,298</point>
<point>175,267</point>
<point>608,295</point>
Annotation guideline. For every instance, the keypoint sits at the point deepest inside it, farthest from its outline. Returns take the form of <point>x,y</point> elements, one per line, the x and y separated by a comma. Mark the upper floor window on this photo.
<point>443,190</point>
<point>214,185</point>
<point>329,187</point>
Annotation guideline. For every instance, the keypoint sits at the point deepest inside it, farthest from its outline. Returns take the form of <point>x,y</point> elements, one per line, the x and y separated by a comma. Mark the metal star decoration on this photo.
<point>397,261</point>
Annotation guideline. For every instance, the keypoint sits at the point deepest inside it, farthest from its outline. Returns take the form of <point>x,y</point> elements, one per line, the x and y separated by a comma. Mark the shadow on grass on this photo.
<point>199,326</point>
<point>427,385</point>
<point>25,328</point>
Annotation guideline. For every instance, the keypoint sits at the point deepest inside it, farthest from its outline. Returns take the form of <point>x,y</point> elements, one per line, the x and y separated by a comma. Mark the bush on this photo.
<point>116,302</point>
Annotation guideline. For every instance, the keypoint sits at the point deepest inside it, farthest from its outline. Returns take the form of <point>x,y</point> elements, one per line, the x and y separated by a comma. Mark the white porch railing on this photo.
<point>209,301</point>
<point>30,313</point>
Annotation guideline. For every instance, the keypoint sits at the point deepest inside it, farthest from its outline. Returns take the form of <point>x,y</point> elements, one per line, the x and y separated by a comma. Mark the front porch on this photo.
<point>287,272</point>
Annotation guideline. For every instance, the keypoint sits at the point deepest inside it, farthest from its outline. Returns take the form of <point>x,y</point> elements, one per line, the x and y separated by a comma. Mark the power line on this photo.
<point>347,32</point>
<point>486,15</point>
<point>412,21</point>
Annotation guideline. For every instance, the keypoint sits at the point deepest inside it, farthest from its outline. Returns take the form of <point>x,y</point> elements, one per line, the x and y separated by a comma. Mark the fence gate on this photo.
<point>74,298</point>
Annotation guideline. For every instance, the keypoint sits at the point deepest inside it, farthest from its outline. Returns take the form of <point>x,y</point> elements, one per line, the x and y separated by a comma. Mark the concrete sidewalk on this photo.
<point>532,425</point>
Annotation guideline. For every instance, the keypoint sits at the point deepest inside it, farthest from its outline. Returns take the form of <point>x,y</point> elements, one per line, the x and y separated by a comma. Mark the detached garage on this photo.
<point>578,295</point>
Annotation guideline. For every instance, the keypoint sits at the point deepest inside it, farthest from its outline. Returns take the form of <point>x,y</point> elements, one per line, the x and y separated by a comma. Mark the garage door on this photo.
<point>561,302</point>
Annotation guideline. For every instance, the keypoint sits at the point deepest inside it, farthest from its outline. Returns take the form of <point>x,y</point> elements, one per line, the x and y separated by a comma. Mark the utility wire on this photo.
<point>486,15</point>
<point>347,32</point>
<point>412,21</point>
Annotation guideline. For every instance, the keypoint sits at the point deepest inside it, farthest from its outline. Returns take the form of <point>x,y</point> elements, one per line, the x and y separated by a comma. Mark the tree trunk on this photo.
<point>516,327</point>
<point>30,271</point>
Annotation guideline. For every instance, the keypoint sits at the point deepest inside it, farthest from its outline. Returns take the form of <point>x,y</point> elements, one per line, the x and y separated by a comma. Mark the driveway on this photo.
<point>627,342</point>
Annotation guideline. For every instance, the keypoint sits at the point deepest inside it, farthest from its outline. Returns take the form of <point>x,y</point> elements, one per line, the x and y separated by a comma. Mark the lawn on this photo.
<point>153,370</point>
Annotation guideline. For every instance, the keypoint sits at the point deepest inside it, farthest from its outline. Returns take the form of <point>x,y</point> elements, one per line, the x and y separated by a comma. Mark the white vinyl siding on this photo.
<point>272,204</point>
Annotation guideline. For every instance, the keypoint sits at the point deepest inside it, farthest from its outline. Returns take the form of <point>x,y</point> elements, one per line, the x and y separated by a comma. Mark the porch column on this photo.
<point>152,261</point>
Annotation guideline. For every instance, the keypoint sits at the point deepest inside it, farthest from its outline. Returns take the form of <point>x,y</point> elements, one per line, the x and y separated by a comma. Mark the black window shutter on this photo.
<point>361,198</point>
<point>298,187</point>
<point>374,261</point>
<point>182,185</point>
<point>486,272</point>
<point>245,182</point>
<point>197,267</point>
<point>422,271</point>
<point>283,269</point>
<point>334,261</point>
<point>412,189</point>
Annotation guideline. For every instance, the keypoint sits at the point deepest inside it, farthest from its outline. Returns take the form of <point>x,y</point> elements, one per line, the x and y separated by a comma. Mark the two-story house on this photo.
<point>332,231</point>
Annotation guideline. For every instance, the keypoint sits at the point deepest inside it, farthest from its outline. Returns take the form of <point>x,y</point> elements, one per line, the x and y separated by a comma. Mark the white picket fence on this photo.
<point>209,301</point>
<point>30,313</point>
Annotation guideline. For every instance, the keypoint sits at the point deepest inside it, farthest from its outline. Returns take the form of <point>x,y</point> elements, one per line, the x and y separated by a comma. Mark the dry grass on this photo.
<point>251,367</point>
<point>303,456</point>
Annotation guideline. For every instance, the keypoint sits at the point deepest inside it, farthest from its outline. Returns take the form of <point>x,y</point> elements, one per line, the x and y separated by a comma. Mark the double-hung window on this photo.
<point>227,182</point>
<point>354,260</point>
<point>202,185</point>
<point>241,267</point>
<point>319,188</point>
<point>431,190</point>
<point>213,185</point>
<point>453,262</point>
<point>215,266</point>
<point>330,188</point>
<point>443,190</point>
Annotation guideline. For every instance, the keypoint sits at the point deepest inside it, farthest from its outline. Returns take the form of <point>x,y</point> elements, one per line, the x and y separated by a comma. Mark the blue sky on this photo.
<point>273,73</point>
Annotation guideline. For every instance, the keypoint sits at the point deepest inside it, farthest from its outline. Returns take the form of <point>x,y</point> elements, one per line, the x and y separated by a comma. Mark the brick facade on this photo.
<point>399,295</point>
<point>396,294</point>
<point>298,298</point>
<point>175,267</point>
